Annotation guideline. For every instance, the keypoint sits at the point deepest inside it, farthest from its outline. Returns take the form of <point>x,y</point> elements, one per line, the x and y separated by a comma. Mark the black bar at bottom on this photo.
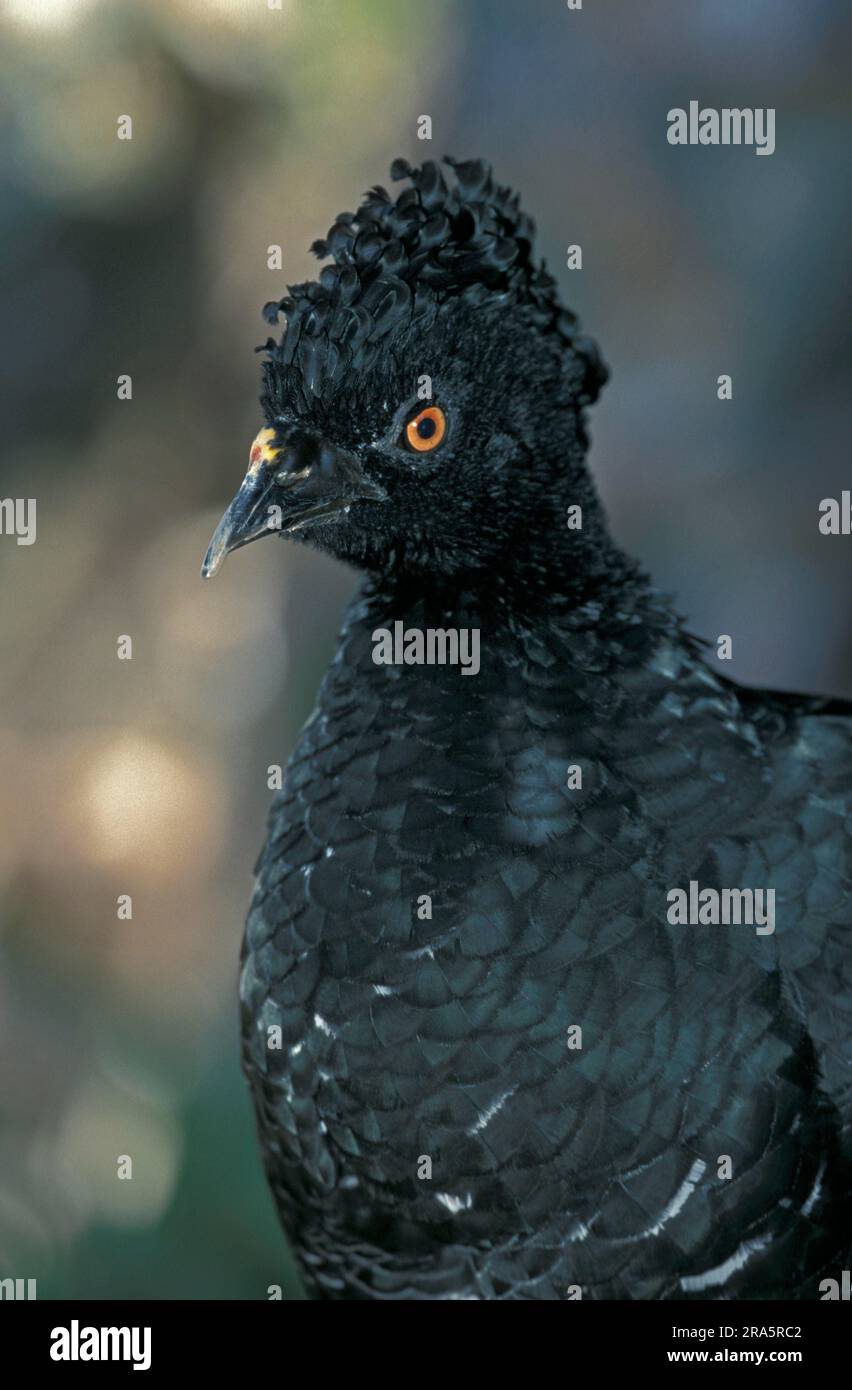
<point>253,1341</point>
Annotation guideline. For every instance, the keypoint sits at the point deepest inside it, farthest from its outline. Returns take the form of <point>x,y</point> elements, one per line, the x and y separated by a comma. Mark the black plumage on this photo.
<point>556,1170</point>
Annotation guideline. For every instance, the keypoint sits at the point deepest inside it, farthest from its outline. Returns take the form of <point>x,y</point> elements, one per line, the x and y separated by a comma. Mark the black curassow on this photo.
<point>487,1061</point>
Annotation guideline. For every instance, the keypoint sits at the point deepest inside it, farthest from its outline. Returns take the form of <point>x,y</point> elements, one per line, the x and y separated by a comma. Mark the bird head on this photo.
<point>424,406</point>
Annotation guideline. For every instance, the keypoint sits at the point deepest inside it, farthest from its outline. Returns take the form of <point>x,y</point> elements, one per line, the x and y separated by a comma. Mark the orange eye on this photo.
<point>426,430</point>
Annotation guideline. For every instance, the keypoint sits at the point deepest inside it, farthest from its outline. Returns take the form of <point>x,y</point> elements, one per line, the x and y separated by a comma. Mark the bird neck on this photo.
<point>551,560</point>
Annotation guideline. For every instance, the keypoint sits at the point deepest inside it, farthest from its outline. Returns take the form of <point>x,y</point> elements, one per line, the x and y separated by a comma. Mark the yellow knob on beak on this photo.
<point>261,451</point>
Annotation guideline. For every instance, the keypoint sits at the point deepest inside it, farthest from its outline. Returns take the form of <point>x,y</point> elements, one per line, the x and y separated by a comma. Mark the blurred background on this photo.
<point>252,127</point>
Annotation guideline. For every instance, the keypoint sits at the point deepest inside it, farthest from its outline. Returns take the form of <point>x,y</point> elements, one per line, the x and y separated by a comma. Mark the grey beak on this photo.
<point>288,486</point>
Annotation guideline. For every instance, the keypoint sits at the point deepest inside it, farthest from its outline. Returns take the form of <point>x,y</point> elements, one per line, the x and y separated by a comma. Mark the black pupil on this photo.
<point>426,427</point>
